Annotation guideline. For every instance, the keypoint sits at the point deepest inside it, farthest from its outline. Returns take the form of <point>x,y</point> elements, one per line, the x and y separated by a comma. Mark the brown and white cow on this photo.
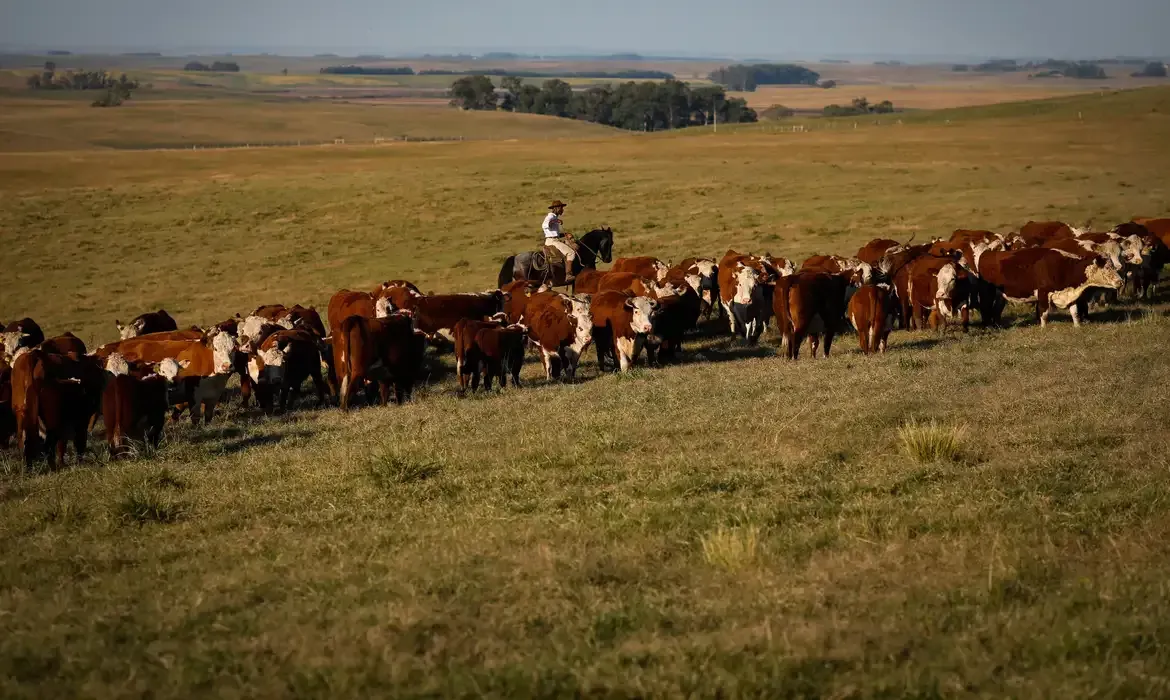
<point>437,314</point>
<point>701,275</point>
<point>295,317</point>
<point>871,311</point>
<point>24,333</point>
<point>1038,233</point>
<point>745,290</point>
<point>646,266</point>
<point>467,353</point>
<point>837,265</point>
<point>378,352</point>
<point>346,303</point>
<point>561,328</point>
<point>635,284</point>
<point>941,286</point>
<point>621,323</point>
<point>871,253</point>
<point>281,363</point>
<point>7,419</point>
<point>149,322</point>
<point>134,406</point>
<point>809,304</point>
<point>1044,277</point>
<point>675,315</point>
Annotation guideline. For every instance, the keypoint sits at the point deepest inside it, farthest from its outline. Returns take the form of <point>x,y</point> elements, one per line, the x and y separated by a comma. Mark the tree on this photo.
<point>473,92</point>
<point>555,98</point>
<point>225,67</point>
<point>672,95</point>
<point>196,66</point>
<point>828,84</point>
<point>745,78</point>
<point>1155,69</point>
<point>284,71</point>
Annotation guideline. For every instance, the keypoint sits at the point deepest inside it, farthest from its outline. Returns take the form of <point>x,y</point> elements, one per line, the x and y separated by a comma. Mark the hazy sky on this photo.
<point>808,29</point>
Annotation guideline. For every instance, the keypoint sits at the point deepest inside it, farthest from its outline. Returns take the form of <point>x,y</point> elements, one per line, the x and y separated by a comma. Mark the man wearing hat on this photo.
<point>553,236</point>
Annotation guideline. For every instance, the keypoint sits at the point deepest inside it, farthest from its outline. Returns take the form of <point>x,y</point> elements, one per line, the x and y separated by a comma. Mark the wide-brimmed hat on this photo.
<point>557,203</point>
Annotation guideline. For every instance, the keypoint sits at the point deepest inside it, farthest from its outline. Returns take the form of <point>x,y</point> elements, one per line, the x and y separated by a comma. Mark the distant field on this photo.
<point>734,526</point>
<point>70,123</point>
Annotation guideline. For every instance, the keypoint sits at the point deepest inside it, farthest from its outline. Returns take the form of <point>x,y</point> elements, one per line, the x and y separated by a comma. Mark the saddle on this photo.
<point>549,256</point>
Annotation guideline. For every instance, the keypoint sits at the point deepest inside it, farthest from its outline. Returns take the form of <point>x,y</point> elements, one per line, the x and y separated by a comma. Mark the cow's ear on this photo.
<point>118,324</point>
<point>184,363</point>
<point>629,305</point>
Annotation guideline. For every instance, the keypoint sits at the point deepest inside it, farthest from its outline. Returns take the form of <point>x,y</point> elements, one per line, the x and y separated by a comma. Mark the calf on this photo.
<point>149,322</point>
<point>202,367</point>
<point>1044,277</point>
<point>134,407</point>
<point>701,275</point>
<point>282,363</point>
<point>501,353</point>
<point>809,304</point>
<point>646,266</point>
<point>939,285</point>
<point>621,322</point>
<point>24,333</point>
<point>468,358</point>
<point>346,303</point>
<point>54,398</point>
<point>381,352</point>
<point>746,296</point>
<point>871,313</point>
<point>561,328</point>
<point>676,314</point>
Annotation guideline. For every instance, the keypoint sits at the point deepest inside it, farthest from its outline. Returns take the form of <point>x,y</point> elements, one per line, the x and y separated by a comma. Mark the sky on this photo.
<point>810,29</point>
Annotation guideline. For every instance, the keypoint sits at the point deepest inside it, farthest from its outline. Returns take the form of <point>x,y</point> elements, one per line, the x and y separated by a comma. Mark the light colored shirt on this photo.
<point>552,226</point>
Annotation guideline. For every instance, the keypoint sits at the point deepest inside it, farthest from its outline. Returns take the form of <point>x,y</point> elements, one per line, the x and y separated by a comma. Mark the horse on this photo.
<point>534,266</point>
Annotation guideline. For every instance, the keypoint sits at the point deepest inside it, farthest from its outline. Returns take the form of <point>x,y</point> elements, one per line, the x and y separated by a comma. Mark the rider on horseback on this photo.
<point>555,238</point>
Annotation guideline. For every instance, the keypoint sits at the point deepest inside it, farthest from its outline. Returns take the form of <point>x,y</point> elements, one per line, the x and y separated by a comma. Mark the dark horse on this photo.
<point>597,244</point>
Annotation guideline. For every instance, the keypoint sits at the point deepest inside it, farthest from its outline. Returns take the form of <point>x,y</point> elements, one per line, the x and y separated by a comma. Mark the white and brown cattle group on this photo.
<point>52,390</point>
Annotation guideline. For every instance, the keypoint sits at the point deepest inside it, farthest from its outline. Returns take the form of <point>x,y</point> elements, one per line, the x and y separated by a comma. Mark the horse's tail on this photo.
<point>507,272</point>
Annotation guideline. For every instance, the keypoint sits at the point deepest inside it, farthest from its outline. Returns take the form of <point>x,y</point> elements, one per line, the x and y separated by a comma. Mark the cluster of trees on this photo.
<point>367,70</point>
<point>215,67</point>
<point>117,89</point>
<point>1154,69</point>
<point>614,75</point>
<point>645,106</point>
<point>860,105</point>
<point>1045,69</point>
<point>745,78</point>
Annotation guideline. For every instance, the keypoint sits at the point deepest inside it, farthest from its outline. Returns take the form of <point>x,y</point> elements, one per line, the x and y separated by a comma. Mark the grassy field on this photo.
<point>735,525</point>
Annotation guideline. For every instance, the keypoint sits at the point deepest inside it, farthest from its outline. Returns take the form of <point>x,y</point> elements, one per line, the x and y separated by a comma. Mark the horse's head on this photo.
<point>605,244</point>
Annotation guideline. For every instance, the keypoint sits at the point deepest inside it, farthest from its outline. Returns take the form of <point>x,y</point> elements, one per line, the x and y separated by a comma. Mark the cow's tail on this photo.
<point>343,356</point>
<point>28,432</point>
<point>507,272</point>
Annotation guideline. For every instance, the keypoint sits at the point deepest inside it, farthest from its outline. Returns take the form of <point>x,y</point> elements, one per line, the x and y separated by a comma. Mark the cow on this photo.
<point>7,419</point>
<point>378,351</point>
<point>1159,227</point>
<point>281,363</point>
<point>1037,233</point>
<point>701,275</point>
<point>871,311</point>
<point>896,266</point>
<point>501,353</point>
<point>871,253</point>
<point>745,289</point>
<point>809,304</point>
<point>516,296</point>
<point>636,285</point>
<point>346,303</point>
<point>1042,276</point>
<point>561,328</point>
<point>149,322</point>
<point>54,398</point>
<point>645,266</point>
<point>676,314</point>
<point>836,265</point>
<point>586,281</point>
<point>134,406</point>
<point>938,284</point>
<point>204,366</point>
<point>292,317</point>
<point>254,330</point>
<point>130,346</point>
<point>467,351</point>
<point>437,314</point>
<point>68,345</point>
<point>621,322</point>
<point>24,333</point>
<point>395,284</point>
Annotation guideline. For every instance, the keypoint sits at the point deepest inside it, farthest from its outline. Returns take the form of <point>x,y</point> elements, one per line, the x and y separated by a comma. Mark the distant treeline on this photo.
<point>644,106</point>
<point>1044,69</point>
<point>615,75</point>
<point>745,78</point>
<point>367,70</point>
<point>216,67</point>
<point>117,89</point>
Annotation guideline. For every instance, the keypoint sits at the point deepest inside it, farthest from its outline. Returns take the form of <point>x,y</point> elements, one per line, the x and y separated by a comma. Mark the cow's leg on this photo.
<point>1079,311</point>
<point>965,315</point>
<point>246,386</point>
<point>319,384</point>
<point>546,360</point>
<point>81,439</point>
<point>794,343</point>
<point>828,341</point>
<point>209,410</point>
<point>1043,304</point>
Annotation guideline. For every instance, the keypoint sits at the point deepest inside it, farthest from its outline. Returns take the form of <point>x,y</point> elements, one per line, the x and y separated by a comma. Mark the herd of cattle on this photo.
<point>53,390</point>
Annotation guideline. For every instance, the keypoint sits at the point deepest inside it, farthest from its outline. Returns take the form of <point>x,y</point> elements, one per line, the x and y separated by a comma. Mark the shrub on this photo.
<point>390,468</point>
<point>1155,69</point>
<point>142,502</point>
<point>932,442</point>
<point>828,84</point>
<point>731,548</point>
<point>777,112</point>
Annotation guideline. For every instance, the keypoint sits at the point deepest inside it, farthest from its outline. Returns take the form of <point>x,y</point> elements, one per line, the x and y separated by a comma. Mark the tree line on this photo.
<point>1045,69</point>
<point>644,106</point>
<point>117,89</point>
<point>499,72</point>
<point>367,70</point>
<point>745,77</point>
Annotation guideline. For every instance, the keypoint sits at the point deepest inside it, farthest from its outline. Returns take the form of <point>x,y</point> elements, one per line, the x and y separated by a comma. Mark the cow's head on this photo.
<point>582,320</point>
<point>267,365</point>
<point>383,307</point>
<point>249,332</point>
<point>1133,250</point>
<point>746,280</point>
<point>223,353</point>
<point>946,289</point>
<point>117,365</point>
<point>1101,273</point>
<point>12,341</point>
<point>641,313</point>
<point>170,368</point>
<point>707,268</point>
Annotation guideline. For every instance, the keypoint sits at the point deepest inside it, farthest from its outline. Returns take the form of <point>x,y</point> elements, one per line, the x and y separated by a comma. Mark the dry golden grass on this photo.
<point>736,525</point>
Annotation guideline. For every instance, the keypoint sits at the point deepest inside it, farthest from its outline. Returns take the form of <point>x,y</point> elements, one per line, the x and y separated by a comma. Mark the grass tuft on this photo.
<point>391,468</point>
<point>731,548</point>
<point>927,443</point>
<point>144,502</point>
